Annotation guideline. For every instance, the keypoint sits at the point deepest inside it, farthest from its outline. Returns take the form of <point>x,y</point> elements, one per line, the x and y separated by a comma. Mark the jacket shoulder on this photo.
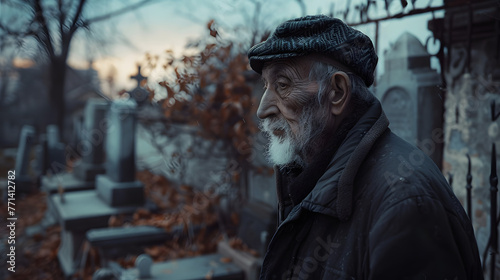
<point>395,170</point>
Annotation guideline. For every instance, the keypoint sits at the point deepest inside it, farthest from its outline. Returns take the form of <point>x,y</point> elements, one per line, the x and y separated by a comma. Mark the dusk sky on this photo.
<point>169,24</point>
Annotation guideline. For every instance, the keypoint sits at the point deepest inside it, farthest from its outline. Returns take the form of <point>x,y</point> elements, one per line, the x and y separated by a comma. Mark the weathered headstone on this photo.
<point>92,141</point>
<point>411,98</point>
<point>118,186</point>
<point>41,155</point>
<point>116,193</point>
<point>91,148</point>
<point>24,182</point>
<point>55,149</point>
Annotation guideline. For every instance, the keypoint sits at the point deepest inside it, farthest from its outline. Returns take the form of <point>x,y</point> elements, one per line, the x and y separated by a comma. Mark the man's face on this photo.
<point>289,111</point>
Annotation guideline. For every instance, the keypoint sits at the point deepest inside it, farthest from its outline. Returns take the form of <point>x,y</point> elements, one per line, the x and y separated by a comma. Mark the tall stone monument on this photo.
<point>118,186</point>
<point>411,98</point>
<point>117,192</point>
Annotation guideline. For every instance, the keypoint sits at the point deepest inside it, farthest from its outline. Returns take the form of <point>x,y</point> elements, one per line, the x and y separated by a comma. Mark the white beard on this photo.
<point>286,149</point>
<point>281,151</point>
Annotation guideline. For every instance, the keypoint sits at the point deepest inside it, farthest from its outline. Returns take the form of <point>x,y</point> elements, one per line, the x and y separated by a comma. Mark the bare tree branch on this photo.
<point>118,12</point>
<point>76,19</point>
<point>46,39</point>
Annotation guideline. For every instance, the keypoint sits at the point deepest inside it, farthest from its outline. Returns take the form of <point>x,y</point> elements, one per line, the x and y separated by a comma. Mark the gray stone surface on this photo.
<point>23,152</point>
<point>250,265</point>
<point>92,141</point>
<point>411,98</point>
<point>67,181</point>
<point>56,158</point>
<point>94,130</point>
<point>120,142</point>
<point>119,193</point>
<point>41,156</point>
<point>202,267</point>
<point>77,212</point>
<point>118,186</point>
<point>24,181</point>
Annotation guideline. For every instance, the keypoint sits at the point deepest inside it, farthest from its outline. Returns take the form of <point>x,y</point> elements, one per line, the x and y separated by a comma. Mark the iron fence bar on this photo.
<point>469,189</point>
<point>401,15</point>
<point>488,244</point>
<point>493,214</point>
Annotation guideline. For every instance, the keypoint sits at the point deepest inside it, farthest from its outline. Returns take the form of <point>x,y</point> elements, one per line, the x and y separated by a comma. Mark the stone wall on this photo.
<point>468,126</point>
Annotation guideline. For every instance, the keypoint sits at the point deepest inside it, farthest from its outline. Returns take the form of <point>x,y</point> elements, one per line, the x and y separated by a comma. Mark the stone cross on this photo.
<point>138,77</point>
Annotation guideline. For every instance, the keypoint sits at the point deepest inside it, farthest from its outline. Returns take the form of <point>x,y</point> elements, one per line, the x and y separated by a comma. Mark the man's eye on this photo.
<point>282,85</point>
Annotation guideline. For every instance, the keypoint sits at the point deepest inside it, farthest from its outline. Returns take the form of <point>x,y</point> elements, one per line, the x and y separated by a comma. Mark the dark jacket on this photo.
<point>381,210</point>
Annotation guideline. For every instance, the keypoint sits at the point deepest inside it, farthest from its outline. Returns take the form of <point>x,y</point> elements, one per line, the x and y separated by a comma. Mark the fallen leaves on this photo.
<point>190,212</point>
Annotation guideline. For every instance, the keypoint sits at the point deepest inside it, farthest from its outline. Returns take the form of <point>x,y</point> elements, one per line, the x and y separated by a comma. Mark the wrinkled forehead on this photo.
<point>292,68</point>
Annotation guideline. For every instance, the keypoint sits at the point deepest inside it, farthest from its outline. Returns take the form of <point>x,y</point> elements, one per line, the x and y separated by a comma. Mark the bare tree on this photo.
<point>53,24</point>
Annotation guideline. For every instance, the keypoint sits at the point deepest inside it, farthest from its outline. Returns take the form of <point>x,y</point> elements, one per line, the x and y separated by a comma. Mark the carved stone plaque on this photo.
<point>400,112</point>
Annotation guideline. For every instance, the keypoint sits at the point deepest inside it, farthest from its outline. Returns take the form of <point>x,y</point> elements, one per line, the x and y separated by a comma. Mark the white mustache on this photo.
<point>270,125</point>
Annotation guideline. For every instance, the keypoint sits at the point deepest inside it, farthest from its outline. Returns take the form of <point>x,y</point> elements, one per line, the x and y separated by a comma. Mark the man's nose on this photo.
<point>267,106</point>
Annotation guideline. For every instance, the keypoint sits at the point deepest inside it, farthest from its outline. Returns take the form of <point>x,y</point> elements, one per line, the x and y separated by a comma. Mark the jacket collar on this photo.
<point>333,193</point>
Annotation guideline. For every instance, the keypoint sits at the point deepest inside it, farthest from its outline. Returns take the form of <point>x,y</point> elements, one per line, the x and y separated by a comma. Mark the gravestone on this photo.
<point>92,141</point>
<point>56,159</point>
<point>24,182</point>
<point>116,193</point>
<point>91,147</point>
<point>41,156</point>
<point>118,186</point>
<point>411,98</point>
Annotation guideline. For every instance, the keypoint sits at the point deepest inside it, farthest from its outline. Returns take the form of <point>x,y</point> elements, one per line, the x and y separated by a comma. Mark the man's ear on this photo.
<point>341,92</point>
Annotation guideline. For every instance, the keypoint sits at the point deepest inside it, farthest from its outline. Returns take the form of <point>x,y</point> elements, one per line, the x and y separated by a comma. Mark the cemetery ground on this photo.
<point>38,236</point>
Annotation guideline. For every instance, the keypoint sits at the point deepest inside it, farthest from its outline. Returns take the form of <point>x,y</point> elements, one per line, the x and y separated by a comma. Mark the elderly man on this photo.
<point>355,200</point>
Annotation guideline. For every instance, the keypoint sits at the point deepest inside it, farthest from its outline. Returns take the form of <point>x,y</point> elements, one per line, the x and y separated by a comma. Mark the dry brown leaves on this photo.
<point>190,210</point>
<point>36,256</point>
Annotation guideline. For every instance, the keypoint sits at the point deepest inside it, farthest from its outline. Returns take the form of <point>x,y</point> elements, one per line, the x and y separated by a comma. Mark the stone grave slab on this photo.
<point>116,193</point>
<point>67,181</point>
<point>78,212</point>
<point>257,226</point>
<point>211,266</point>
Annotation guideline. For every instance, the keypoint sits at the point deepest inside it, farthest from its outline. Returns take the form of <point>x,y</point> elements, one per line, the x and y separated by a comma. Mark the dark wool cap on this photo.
<point>318,35</point>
